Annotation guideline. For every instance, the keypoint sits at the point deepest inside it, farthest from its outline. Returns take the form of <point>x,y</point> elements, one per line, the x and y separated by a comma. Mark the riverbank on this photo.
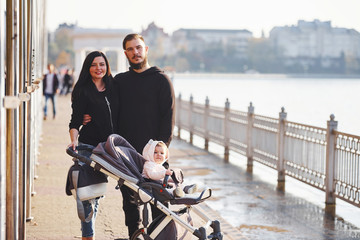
<point>262,76</point>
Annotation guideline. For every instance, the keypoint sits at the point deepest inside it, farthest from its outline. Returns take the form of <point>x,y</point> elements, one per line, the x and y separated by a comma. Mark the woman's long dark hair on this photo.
<point>85,77</point>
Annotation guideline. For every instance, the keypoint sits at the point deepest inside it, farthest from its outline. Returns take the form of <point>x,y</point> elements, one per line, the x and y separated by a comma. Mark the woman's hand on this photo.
<point>73,145</point>
<point>86,119</point>
<point>73,138</point>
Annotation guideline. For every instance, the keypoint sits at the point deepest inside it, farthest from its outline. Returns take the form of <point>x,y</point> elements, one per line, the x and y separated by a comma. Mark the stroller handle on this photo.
<point>83,147</point>
<point>166,178</point>
<point>165,181</point>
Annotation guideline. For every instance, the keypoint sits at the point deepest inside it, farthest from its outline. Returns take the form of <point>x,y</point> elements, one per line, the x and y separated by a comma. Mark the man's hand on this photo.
<point>86,119</point>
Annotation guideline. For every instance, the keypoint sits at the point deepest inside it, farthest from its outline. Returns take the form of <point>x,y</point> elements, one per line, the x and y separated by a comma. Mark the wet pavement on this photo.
<point>248,206</point>
<point>53,213</point>
<point>253,205</point>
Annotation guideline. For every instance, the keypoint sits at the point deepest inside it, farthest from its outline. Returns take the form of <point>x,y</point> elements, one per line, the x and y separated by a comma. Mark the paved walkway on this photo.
<point>54,213</point>
<point>249,202</point>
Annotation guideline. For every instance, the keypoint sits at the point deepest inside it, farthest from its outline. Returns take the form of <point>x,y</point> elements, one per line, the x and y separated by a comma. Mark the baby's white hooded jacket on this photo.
<point>153,170</point>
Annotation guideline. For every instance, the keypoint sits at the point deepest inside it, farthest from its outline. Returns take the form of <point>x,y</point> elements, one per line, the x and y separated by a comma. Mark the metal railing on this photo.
<point>320,157</point>
<point>347,167</point>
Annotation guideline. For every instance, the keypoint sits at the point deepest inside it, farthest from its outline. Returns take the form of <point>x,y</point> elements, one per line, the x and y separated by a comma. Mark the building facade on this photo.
<point>200,39</point>
<point>156,38</point>
<point>108,41</point>
<point>316,42</point>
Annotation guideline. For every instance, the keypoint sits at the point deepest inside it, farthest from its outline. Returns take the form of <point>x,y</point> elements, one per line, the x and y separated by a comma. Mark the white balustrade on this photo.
<point>320,157</point>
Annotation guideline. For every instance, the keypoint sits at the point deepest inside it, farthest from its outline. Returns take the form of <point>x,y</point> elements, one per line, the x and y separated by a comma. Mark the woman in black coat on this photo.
<point>94,95</point>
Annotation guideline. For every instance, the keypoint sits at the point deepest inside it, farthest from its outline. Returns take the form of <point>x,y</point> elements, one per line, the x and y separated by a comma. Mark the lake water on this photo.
<point>306,100</point>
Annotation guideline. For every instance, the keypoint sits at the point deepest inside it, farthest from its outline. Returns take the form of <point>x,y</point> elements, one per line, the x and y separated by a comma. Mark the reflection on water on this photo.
<point>252,204</point>
<point>244,228</point>
<point>251,201</point>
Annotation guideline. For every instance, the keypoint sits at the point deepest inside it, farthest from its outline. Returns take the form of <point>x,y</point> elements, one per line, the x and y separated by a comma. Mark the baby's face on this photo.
<point>159,154</point>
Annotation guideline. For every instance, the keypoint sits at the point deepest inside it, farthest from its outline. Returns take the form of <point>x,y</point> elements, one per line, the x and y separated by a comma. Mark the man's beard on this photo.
<point>139,65</point>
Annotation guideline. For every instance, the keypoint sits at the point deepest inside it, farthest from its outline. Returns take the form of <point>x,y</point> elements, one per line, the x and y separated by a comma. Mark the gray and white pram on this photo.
<point>119,160</point>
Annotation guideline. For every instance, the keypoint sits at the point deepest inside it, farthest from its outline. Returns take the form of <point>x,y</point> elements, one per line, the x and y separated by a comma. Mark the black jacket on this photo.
<point>147,107</point>
<point>55,83</point>
<point>91,101</point>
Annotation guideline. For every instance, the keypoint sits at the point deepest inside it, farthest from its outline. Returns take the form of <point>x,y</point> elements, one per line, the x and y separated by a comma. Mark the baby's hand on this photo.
<point>169,172</point>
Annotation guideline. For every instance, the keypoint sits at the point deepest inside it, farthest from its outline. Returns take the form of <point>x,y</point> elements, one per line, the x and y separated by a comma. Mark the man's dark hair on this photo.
<point>130,37</point>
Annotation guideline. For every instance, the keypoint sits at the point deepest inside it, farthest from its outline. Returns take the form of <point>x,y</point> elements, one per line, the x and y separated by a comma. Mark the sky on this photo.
<point>171,15</point>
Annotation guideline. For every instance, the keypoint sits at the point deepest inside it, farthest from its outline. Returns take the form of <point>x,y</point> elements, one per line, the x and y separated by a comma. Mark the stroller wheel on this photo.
<point>140,235</point>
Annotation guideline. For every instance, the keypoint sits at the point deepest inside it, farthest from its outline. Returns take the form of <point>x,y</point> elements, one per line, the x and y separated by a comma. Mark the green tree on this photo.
<point>263,58</point>
<point>181,64</point>
<point>60,44</point>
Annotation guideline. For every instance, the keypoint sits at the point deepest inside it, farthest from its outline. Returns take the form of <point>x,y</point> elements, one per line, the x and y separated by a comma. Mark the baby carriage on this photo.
<point>119,160</point>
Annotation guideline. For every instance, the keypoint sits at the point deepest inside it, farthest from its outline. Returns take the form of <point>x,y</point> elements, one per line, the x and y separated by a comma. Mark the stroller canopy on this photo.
<point>121,155</point>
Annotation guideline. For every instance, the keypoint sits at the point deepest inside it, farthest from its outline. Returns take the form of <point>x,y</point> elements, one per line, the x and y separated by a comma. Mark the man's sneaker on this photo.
<point>178,192</point>
<point>189,189</point>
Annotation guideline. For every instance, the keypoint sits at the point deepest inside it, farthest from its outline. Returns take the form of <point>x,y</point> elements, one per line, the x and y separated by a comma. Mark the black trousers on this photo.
<point>155,212</point>
<point>131,210</point>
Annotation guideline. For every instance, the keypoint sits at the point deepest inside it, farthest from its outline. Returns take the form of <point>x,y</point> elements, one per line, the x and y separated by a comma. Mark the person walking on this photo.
<point>93,94</point>
<point>147,111</point>
<point>68,81</point>
<point>50,89</point>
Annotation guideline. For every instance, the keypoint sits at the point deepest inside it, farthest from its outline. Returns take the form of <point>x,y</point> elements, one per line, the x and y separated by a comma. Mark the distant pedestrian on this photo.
<point>50,89</point>
<point>67,83</point>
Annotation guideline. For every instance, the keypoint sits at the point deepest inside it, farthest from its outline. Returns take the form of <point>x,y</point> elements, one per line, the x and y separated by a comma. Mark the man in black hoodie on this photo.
<point>147,110</point>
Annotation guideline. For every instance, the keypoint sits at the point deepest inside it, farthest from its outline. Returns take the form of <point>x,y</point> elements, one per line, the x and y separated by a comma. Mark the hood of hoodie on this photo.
<point>149,71</point>
<point>148,151</point>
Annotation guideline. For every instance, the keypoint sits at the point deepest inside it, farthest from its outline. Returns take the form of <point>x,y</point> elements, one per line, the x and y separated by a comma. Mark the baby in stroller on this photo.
<point>119,160</point>
<point>156,154</point>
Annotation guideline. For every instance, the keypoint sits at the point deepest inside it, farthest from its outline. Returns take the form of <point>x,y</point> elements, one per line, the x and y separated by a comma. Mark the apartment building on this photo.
<point>157,39</point>
<point>308,41</point>
<point>200,39</point>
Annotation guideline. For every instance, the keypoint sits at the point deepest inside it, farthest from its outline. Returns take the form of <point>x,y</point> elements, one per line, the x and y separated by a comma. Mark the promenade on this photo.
<point>253,206</point>
<point>54,213</point>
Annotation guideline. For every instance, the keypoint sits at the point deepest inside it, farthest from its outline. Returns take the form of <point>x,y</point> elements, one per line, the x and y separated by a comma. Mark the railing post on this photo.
<point>178,114</point>
<point>206,129</point>
<point>191,126</point>
<point>249,149</point>
<point>281,141</point>
<point>330,165</point>
<point>226,131</point>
